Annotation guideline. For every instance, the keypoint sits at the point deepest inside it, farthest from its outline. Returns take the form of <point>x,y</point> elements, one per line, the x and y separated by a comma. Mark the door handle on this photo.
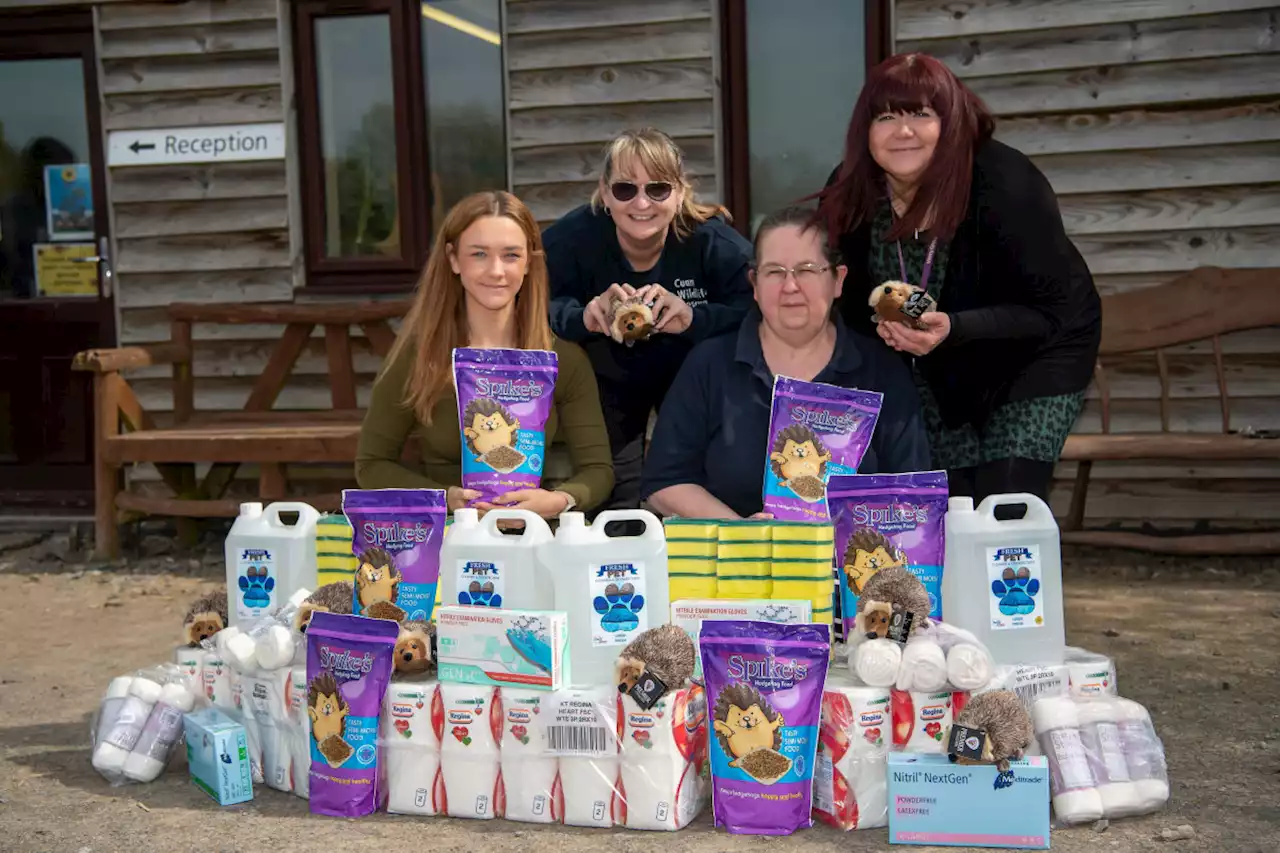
<point>104,258</point>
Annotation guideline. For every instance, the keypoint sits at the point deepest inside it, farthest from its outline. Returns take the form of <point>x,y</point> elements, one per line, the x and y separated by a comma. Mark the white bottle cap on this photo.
<point>573,519</point>
<point>178,696</point>
<point>960,503</point>
<point>251,509</point>
<point>146,690</point>
<point>466,515</point>
<point>119,687</point>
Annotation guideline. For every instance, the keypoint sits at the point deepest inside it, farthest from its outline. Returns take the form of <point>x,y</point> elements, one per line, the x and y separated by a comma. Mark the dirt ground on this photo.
<point>1198,642</point>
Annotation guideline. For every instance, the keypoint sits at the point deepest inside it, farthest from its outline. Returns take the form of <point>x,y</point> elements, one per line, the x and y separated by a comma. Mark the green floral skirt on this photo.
<point>1024,429</point>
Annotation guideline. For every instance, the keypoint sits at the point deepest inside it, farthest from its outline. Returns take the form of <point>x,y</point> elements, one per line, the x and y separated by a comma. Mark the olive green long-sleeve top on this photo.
<point>576,422</point>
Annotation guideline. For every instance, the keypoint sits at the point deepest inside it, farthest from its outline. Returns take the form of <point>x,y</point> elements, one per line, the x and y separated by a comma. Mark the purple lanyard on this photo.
<point>928,264</point>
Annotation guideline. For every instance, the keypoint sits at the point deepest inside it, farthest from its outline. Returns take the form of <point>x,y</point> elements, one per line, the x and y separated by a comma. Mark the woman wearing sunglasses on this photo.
<point>926,196</point>
<point>711,443</point>
<point>643,235</point>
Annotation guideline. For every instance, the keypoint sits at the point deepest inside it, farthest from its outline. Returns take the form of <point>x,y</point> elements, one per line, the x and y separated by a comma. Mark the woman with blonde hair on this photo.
<point>643,236</point>
<point>485,285</point>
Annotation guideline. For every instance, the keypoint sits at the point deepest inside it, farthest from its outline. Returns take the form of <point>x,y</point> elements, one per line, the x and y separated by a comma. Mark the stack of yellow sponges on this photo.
<point>743,559</point>
<point>334,560</point>
<point>691,557</point>
<point>802,553</point>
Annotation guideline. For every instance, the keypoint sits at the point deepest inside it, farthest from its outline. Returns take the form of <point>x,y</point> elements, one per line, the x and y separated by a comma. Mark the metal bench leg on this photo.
<point>1079,495</point>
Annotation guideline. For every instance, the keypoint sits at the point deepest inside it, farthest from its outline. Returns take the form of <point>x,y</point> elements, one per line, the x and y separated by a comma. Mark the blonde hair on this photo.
<point>436,322</point>
<point>664,161</point>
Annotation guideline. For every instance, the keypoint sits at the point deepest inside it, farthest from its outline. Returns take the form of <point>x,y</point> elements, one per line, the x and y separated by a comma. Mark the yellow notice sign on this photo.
<point>59,273</point>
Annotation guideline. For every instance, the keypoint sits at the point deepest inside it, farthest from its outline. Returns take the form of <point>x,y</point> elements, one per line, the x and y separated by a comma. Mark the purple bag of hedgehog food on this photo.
<point>505,398</point>
<point>764,683</point>
<point>349,662</point>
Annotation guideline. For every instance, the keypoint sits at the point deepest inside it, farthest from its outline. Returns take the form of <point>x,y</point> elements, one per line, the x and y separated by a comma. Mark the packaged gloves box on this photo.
<point>934,801</point>
<point>513,648</point>
<point>218,755</point>
<point>688,614</point>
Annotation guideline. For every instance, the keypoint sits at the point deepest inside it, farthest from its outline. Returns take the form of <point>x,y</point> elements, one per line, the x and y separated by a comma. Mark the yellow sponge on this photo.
<point>743,559</point>
<point>334,560</point>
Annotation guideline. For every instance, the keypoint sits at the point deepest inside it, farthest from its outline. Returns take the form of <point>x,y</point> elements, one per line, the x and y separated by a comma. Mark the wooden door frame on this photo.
<point>52,34</point>
<point>878,42</point>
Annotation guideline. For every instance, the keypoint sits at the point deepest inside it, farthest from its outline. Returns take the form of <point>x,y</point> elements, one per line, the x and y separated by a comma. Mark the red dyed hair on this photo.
<point>903,83</point>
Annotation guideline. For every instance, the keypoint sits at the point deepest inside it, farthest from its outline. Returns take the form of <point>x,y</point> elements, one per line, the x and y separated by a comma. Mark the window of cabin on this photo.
<point>401,113</point>
<point>792,72</point>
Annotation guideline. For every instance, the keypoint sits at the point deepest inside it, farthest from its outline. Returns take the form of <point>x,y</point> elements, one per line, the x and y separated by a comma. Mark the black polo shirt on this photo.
<point>713,429</point>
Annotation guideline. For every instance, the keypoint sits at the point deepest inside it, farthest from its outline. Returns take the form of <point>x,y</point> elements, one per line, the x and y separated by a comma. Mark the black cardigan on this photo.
<point>1026,319</point>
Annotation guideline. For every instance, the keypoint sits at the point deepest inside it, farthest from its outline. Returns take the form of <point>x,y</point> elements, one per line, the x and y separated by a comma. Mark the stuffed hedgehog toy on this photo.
<point>666,652</point>
<point>892,590</point>
<point>206,616</point>
<point>897,300</point>
<point>413,654</point>
<point>632,320</point>
<point>333,597</point>
<point>1005,724</point>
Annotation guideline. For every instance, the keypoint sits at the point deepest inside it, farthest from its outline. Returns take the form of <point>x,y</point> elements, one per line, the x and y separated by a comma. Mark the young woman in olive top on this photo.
<point>485,285</point>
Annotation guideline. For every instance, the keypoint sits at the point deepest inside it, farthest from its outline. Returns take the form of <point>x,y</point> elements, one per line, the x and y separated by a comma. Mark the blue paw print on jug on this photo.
<point>618,608</point>
<point>256,586</point>
<point>1015,591</point>
<point>480,595</point>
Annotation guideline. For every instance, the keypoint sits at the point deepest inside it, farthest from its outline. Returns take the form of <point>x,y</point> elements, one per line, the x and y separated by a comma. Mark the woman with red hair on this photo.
<point>925,195</point>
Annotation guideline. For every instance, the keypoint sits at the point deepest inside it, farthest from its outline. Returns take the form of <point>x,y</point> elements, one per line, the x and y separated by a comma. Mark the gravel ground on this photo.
<point>1197,641</point>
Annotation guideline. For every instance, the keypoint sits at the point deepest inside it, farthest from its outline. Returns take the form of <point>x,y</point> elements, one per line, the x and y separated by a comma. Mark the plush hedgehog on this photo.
<point>897,300</point>
<point>333,597</point>
<point>206,616</point>
<point>665,651</point>
<point>413,648</point>
<point>632,320</point>
<point>1004,719</point>
<point>890,590</point>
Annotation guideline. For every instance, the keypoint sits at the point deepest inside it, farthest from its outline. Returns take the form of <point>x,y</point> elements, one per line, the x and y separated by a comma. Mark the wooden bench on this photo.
<point>125,433</point>
<point>1201,305</point>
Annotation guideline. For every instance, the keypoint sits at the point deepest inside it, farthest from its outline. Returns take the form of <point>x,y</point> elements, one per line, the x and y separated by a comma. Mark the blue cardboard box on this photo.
<point>218,755</point>
<point>932,801</point>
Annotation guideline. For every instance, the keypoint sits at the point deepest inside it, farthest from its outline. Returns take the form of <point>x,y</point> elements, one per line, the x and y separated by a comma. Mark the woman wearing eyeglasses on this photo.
<point>926,196</point>
<point>644,236</point>
<point>711,442</point>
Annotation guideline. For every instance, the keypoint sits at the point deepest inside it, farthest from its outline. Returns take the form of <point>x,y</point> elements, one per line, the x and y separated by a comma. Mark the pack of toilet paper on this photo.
<point>661,781</point>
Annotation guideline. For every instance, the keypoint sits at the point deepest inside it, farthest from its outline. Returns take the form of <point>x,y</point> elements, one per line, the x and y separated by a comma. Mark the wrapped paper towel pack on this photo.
<point>664,751</point>
<point>850,786</point>
<point>409,742</point>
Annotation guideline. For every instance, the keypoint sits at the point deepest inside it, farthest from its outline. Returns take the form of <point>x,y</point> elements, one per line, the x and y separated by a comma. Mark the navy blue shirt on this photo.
<point>713,430</point>
<point>707,269</point>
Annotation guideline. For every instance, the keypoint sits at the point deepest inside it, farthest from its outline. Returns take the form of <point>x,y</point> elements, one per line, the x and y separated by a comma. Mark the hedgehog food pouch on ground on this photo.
<point>395,537</point>
<point>764,684</point>
<point>816,431</point>
<point>505,397</point>
<point>886,520</point>
<point>349,662</point>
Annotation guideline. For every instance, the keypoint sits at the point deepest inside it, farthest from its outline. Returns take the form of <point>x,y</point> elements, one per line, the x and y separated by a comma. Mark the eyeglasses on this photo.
<point>627,190</point>
<point>804,273</point>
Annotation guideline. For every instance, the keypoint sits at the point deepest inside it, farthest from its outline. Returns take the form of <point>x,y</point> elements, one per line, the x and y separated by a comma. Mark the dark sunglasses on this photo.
<point>626,190</point>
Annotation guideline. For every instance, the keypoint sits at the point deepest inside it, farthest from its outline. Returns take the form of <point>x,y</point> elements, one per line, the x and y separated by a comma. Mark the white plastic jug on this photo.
<point>612,588</point>
<point>268,560</point>
<point>482,566</point>
<point>1002,580</point>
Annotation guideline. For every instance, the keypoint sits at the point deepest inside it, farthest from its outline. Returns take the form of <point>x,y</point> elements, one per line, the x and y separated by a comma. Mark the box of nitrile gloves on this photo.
<point>218,755</point>
<point>932,801</point>
<point>504,648</point>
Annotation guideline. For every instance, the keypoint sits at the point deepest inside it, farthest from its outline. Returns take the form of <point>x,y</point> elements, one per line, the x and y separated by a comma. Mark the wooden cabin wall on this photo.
<point>1158,124</point>
<point>579,71</point>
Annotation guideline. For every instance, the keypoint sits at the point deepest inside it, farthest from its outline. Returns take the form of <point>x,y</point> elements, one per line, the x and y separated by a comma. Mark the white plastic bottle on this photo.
<point>482,566</point>
<point>1100,733</point>
<point>268,560</point>
<point>1002,580</point>
<point>611,587</point>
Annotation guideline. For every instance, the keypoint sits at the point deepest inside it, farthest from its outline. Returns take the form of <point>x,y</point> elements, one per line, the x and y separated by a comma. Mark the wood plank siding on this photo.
<point>579,71</point>
<point>1158,124</point>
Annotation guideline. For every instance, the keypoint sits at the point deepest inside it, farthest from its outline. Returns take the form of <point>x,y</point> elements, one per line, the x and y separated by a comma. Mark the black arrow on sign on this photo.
<point>138,146</point>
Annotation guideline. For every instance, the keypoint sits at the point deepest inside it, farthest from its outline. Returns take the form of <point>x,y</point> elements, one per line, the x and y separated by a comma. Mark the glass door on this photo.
<point>55,297</point>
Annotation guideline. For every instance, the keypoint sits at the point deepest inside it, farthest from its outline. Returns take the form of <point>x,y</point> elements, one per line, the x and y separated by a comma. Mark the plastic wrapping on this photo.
<point>850,783</point>
<point>936,657</point>
<point>663,757</point>
<point>1105,759</point>
<point>137,727</point>
<point>409,747</point>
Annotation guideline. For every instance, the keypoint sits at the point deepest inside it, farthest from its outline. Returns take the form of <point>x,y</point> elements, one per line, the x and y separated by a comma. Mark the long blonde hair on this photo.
<point>664,161</point>
<point>437,320</point>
